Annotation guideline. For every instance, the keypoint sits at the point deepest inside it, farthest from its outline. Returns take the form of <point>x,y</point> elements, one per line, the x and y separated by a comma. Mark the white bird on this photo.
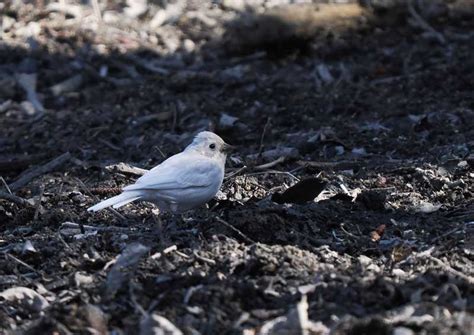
<point>183,181</point>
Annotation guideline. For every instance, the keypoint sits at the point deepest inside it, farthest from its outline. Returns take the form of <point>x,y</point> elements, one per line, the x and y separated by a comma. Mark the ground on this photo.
<point>373,105</point>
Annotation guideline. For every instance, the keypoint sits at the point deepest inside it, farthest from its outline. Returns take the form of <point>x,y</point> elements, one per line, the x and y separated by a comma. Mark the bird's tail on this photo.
<point>116,202</point>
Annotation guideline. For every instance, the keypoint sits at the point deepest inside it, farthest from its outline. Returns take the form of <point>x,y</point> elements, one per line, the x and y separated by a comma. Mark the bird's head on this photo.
<point>211,145</point>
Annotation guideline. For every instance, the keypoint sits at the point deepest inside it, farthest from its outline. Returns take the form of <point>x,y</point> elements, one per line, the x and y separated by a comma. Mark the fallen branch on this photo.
<point>15,199</point>
<point>32,173</point>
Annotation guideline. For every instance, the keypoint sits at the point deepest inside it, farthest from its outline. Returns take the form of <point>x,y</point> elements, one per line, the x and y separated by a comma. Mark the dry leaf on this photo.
<point>377,234</point>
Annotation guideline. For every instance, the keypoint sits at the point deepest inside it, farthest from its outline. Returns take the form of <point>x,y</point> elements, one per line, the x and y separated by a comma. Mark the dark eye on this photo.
<point>212,146</point>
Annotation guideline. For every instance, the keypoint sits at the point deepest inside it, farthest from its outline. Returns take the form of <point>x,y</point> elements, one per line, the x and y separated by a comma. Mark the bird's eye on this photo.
<point>212,146</point>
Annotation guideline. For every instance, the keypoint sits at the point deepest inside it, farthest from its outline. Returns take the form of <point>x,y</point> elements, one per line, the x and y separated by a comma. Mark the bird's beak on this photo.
<point>227,148</point>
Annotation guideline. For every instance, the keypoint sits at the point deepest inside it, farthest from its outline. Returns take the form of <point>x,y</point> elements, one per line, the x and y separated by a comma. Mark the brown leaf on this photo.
<point>377,234</point>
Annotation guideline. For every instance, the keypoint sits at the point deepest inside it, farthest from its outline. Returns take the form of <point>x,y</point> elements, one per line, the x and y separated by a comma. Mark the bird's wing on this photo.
<point>178,172</point>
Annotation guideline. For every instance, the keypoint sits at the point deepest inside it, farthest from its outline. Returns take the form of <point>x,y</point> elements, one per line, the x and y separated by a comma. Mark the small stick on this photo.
<point>448,268</point>
<point>449,232</point>
<point>260,149</point>
<point>135,302</point>
<point>228,225</point>
<point>232,174</point>
<point>19,261</point>
<point>110,145</point>
<point>204,259</point>
<point>96,8</point>
<point>340,165</point>
<point>38,204</point>
<point>274,172</point>
<point>424,25</point>
<point>68,224</point>
<point>190,292</point>
<point>30,174</point>
<point>269,165</point>
<point>6,185</point>
<point>15,199</point>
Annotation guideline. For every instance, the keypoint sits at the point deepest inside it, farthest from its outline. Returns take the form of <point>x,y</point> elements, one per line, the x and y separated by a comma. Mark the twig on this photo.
<point>190,292</point>
<point>228,225</point>
<point>15,199</point>
<point>232,174</point>
<point>260,149</point>
<point>448,268</point>
<point>126,168</point>
<point>245,59</point>
<point>30,174</point>
<point>274,172</point>
<point>148,65</point>
<point>344,230</point>
<point>6,185</point>
<point>38,204</point>
<point>96,8</point>
<point>68,224</point>
<point>158,254</point>
<point>424,25</point>
<point>134,300</point>
<point>340,165</point>
<point>449,232</point>
<point>348,165</point>
<point>204,259</point>
<point>269,165</point>
<point>335,236</point>
<point>19,261</point>
<point>110,145</point>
